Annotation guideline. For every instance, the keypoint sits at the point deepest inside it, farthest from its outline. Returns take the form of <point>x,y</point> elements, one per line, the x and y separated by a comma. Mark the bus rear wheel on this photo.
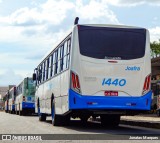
<point>58,120</point>
<point>20,113</point>
<point>42,116</point>
<point>110,120</point>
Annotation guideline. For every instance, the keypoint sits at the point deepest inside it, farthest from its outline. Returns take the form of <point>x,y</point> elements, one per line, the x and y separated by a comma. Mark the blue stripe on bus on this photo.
<point>13,107</point>
<point>77,101</point>
<point>28,105</point>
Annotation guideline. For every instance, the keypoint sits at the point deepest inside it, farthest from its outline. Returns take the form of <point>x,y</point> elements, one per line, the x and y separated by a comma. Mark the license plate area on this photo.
<point>111,93</point>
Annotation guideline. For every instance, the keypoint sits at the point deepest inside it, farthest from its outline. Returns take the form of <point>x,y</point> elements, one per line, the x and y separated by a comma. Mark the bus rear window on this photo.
<point>112,43</point>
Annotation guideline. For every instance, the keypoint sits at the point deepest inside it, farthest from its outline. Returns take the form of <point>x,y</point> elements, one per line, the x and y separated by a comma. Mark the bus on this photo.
<point>11,101</point>
<point>95,71</point>
<point>25,97</point>
<point>6,102</point>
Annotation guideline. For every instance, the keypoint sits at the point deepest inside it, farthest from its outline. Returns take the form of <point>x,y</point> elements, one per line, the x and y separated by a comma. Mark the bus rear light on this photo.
<point>147,84</point>
<point>75,85</point>
<point>77,82</point>
<point>73,80</point>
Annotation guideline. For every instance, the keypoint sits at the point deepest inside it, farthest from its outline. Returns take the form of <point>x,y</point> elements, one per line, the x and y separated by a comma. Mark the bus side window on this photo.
<point>68,52</point>
<point>65,48</point>
<point>56,62</point>
<point>59,60</point>
<point>40,74</point>
<point>46,68</point>
<point>68,45</point>
<point>49,66</point>
<point>65,56</point>
<point>43,72</point>
<point>53,65</point>
<point>37,73</point>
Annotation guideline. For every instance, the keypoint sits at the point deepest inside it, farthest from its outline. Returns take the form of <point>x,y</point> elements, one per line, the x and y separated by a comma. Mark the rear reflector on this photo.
<point>92,103</point>
<point>112,61</point>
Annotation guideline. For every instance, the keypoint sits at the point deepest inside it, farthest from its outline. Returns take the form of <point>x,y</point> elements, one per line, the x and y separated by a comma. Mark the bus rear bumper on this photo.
<point>28,105</point>
<point>77,101</point>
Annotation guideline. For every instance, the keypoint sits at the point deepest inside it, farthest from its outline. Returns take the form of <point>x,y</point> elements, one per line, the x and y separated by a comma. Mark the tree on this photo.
<point>155,48</point>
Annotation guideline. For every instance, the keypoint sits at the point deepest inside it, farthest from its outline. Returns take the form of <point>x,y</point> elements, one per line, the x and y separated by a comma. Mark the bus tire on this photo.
<point>42,117</point>
<point>56,119</point>
<point>23,112</point>
<point>20,113</point>
<point>66,120</point>
<point>16,112</point>
<point>19,110</point>
<point>110,120</point>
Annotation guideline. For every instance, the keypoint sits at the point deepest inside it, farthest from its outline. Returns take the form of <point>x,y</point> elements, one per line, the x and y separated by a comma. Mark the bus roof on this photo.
<point>110,25</point>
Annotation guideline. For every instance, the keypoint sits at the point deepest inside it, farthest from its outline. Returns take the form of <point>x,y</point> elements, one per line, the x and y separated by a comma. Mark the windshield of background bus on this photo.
<point>30,86</point>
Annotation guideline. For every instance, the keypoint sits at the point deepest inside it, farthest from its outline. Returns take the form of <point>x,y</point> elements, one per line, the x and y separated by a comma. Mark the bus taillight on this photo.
<point>147,84</point>
<point>73,80</point>
<point>75,85</point>
<point>77,82</point>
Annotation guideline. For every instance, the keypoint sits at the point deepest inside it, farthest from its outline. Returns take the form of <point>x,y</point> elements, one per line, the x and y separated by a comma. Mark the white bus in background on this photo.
<point>6,100</point>
<point>25,97</point>
<point>95,70</point>
<point>11,100</point>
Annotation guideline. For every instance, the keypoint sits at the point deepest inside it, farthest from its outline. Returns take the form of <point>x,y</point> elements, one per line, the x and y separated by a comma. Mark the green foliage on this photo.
<point>155,48</point>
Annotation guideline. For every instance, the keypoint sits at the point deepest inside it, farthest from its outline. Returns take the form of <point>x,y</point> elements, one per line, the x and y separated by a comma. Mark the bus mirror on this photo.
<point>34,77</point>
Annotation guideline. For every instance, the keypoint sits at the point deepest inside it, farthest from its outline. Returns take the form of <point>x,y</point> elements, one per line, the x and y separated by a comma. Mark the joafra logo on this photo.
<point>134,68</point>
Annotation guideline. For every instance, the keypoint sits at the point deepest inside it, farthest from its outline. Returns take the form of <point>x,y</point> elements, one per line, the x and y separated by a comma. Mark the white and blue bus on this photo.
<point>25,97</point>
<point>11,100</point>
<point>95,70</point>
<point>6,99</point>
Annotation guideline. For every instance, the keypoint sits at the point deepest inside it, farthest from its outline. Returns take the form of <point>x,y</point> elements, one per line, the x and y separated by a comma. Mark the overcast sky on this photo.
<point>29,28</point>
